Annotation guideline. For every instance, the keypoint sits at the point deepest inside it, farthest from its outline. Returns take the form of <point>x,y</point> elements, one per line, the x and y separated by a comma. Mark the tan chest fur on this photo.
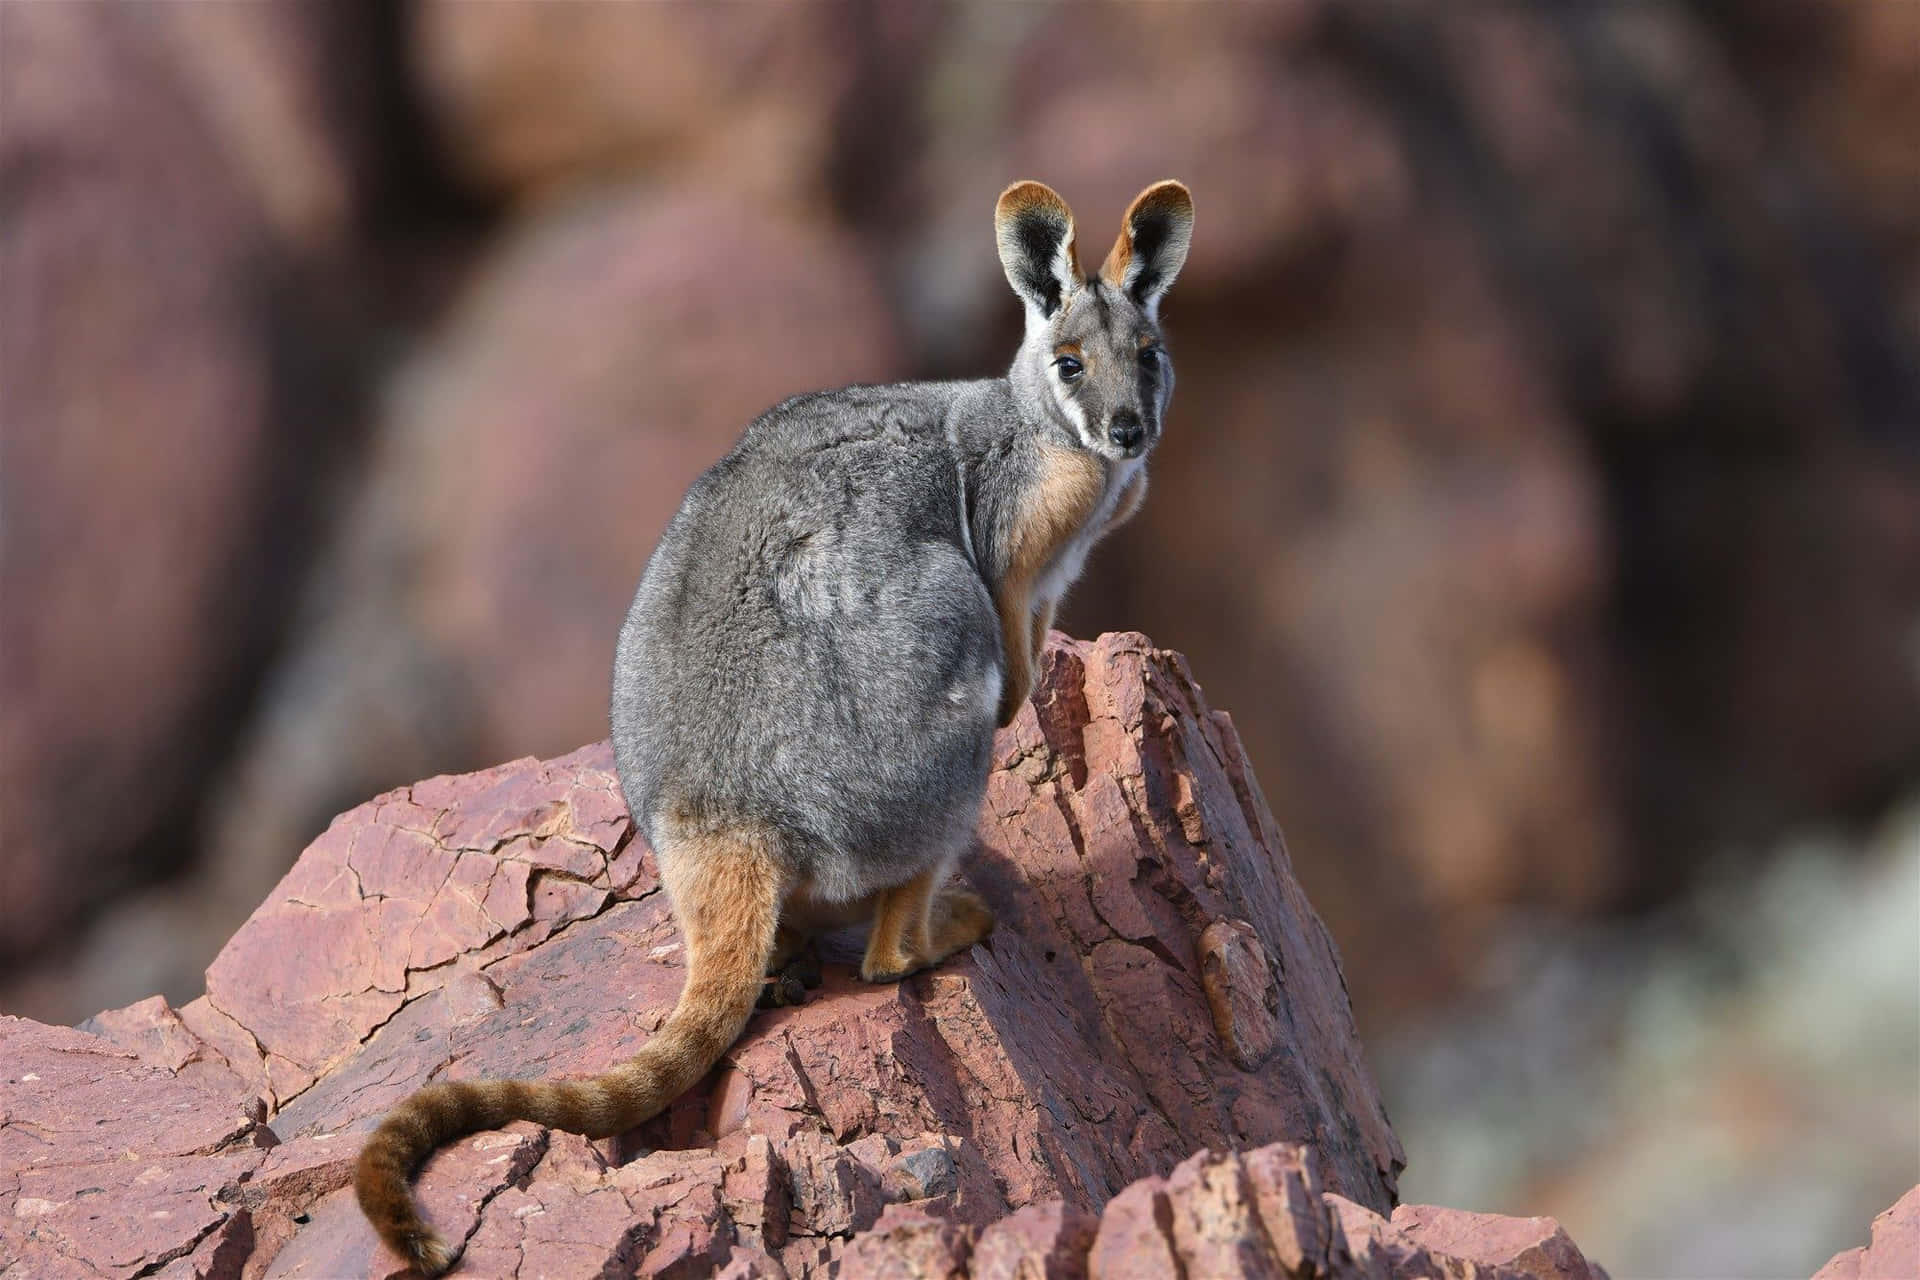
<point>1058,519</point>
<point>1070,503</point>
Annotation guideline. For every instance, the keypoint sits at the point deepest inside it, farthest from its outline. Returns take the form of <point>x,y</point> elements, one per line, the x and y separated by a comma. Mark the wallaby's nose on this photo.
<point>1124,428</point>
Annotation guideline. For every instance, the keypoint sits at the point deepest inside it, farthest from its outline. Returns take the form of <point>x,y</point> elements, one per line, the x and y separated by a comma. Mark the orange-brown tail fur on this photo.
<point>726,891</point>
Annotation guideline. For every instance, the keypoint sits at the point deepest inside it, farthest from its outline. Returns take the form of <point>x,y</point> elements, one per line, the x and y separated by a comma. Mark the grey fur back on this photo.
<point>812,646</point>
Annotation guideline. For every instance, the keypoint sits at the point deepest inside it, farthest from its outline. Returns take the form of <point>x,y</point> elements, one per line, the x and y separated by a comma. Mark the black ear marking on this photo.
<point>1153,242</point>
<point>1151,230</point>
<point>1039,239</point>
<point>1034,229</point>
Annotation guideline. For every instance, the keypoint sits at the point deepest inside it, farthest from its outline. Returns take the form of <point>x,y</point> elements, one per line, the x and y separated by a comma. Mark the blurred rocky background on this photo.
<point>1541,495</point>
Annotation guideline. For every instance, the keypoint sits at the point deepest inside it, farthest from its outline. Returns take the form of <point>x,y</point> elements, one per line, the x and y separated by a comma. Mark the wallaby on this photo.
<point>807,684</point>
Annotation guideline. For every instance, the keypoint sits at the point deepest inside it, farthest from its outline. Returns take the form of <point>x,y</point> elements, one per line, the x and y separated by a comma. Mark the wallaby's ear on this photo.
<point>1153,244</point>
<point>1035,231</point>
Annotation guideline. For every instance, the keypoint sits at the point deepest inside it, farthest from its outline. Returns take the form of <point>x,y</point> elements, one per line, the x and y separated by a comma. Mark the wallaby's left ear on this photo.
<point>1035,231</point>
<point>1153,244</point>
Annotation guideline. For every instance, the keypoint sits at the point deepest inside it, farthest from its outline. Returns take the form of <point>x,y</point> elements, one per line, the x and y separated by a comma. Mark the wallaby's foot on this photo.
<point>892,970</point>
<point>961,918</point>
<point>890,964</point>
<point>897,944</point>
<point>958,918</point>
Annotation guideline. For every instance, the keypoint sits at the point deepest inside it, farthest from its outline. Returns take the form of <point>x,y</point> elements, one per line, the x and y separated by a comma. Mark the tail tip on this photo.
<point>430,1255</point>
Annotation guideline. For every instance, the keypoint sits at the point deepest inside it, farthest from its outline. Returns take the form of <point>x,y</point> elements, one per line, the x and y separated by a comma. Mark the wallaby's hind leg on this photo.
<point>899,944</point>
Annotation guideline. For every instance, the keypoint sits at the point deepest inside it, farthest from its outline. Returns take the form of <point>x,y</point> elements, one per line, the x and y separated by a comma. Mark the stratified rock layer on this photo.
<point>1158,984</point>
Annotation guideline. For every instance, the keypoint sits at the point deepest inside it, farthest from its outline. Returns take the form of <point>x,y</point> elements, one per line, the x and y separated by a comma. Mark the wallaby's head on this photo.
<point>1092,359</point>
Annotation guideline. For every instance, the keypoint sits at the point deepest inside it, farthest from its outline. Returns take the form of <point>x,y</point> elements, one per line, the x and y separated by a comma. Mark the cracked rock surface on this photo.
<point>1158,984</point>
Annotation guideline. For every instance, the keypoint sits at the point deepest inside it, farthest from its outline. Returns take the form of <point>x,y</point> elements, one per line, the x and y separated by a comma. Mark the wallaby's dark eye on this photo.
<point>1151,355</point>
<point>1070,368</point>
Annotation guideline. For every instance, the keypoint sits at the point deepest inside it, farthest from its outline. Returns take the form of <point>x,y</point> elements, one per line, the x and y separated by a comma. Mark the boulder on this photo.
<point>1158,983</point>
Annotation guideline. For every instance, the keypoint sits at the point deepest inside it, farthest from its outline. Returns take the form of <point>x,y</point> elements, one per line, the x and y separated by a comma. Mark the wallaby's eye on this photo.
<point>1150,355</point>
<point>1070,368</point>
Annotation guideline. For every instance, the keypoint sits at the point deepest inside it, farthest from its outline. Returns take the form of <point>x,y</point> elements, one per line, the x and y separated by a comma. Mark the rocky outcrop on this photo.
<point>1158,984</point>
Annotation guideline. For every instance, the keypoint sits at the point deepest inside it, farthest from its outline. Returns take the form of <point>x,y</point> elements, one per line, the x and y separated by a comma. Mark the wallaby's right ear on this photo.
<point>1035,231</point>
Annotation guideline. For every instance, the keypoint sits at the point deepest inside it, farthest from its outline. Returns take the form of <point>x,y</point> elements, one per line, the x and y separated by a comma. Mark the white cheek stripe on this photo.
<point>1071,407</point>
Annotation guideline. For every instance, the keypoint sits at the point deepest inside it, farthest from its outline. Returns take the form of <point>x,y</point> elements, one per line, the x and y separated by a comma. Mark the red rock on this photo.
<point>110,1164</point>
<point>1132,1236</point>
<point>965,1123</point>
<point>286,91</point>
<point>389,872</point>
<point>751,1264</point>
<point>1894,1253</point>
<point>1040,1242</point>
<point>908,1244</point>
<point>1374,1249</point>
<point>1241,992</point>
<point>1229,1216</point>
<point>1261,1214</point>
<point>1536,1247</point>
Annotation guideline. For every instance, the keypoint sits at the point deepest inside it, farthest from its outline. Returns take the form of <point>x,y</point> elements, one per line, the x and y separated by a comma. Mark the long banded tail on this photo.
<point>726,891</point>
